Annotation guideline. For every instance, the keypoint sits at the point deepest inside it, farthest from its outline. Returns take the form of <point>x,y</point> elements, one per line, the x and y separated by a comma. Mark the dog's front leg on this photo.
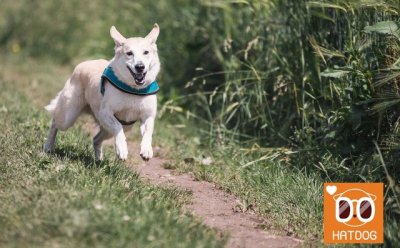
<point>146,128</point>
<point>112,125</point>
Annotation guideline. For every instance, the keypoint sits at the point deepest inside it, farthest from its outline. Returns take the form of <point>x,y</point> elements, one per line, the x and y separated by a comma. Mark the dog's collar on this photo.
<point>110,76</point>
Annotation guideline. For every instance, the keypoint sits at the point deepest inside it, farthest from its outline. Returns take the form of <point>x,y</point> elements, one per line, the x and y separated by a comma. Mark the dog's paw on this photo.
<point>98,154</point>
<point>146,152</point>
<point>122,149</point>
<point>48,147</point>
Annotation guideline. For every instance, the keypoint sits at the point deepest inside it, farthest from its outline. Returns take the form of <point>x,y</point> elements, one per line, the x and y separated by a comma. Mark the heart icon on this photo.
<point>331,189</point>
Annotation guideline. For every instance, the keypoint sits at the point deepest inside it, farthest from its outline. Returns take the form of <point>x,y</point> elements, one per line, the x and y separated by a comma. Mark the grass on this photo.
<point>67,200</point>
<point>307,87</point>
<point>291,200</point>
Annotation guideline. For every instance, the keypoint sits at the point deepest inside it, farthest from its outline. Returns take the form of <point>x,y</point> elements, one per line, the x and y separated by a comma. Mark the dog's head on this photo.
<point>136,59</point>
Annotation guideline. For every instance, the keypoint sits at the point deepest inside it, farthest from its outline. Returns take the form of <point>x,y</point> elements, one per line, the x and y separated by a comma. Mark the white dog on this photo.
<point>117,93</point>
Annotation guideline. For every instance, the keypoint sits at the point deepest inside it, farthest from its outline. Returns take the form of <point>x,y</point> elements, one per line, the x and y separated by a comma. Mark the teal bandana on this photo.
<point>108,74</point>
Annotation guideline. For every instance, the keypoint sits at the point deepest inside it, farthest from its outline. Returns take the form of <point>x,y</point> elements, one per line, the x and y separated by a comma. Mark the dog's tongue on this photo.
<point>139,77</point>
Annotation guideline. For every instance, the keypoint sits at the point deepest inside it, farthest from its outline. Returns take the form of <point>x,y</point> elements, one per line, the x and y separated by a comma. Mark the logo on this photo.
<point>353,213</point>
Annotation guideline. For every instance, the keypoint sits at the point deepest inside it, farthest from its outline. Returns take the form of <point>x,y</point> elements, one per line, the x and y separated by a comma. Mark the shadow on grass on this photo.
<point>71,153</point>
<point>109,166</point>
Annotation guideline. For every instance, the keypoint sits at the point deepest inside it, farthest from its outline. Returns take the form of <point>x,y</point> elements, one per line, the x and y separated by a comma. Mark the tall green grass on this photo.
<point>318,77</point>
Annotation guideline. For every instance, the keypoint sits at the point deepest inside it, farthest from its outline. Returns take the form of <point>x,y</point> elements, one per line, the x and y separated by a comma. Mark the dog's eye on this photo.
<point>129,53</point>
<point>146,52</point>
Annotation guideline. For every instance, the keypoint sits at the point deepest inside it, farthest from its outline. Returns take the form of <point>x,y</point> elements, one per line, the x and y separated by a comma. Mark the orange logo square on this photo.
<point>353,213</point>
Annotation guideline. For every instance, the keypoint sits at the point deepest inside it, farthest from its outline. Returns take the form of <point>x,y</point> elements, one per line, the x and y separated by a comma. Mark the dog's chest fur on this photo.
<point>128,107</point>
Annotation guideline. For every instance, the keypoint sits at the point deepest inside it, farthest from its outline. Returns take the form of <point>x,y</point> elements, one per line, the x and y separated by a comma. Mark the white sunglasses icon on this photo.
<point>345,208</point>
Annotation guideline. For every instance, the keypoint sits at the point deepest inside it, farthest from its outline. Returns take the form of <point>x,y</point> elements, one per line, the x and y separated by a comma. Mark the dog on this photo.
<point>116,93</point>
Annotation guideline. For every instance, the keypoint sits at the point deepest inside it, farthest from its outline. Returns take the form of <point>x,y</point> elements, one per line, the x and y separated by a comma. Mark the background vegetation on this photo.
<point>307,87</point>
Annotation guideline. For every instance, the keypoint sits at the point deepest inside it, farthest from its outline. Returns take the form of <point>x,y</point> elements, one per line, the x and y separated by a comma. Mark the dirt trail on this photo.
<point>213,206</point>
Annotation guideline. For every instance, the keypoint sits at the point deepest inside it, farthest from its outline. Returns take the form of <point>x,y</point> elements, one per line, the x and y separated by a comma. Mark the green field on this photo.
<point>282,95</point>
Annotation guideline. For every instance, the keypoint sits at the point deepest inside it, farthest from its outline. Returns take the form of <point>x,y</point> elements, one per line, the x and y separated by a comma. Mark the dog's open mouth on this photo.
<point>139,77</point>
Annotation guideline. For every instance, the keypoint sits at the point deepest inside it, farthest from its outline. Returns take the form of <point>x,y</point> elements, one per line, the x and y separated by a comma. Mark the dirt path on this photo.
<point>213,206</point>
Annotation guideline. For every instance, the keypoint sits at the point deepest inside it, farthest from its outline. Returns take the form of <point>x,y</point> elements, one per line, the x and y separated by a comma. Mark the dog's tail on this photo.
<point>53,104</point>
<point>51,108</point>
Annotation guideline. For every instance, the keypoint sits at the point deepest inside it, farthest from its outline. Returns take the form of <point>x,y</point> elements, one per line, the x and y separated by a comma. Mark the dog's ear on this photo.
<point>117,36</point>
<point>152,36</point>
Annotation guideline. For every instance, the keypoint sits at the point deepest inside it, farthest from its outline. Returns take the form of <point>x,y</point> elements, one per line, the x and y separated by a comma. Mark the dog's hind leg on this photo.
<point>51,138</point>
<point>98,142</point>
<point>68,105</point>
<point>65,109</point>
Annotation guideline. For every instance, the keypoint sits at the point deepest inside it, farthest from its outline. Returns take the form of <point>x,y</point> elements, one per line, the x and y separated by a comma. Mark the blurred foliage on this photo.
<point>67,31</point>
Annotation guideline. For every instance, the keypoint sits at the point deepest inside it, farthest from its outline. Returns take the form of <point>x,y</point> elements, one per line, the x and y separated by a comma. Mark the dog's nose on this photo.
<point>139,67</point>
